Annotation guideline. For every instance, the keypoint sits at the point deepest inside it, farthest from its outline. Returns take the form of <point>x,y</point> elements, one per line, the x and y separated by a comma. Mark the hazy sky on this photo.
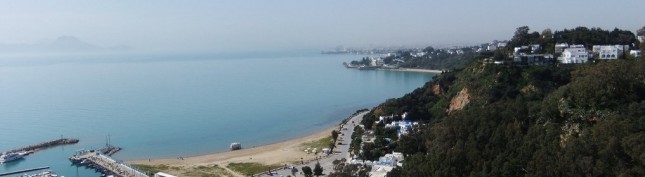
<point>245,25</point>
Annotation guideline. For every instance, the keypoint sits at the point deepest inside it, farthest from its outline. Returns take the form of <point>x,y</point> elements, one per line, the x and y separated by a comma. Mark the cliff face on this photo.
<point>460,101</point>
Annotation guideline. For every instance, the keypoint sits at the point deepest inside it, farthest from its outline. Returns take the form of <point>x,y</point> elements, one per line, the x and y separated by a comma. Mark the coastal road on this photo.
<point>341,151</point>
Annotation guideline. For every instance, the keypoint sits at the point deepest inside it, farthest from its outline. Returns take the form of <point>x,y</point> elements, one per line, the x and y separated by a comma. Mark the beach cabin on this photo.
<point>160,174</point>
<point>236,146</point>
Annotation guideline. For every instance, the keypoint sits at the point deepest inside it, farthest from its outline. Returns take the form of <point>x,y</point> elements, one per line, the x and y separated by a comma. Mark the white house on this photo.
<point>501,44</point>
<point>609,52</point>
<point>559,48</point>
<point>535,48</point>
<point>635,53</point>
<point>491,47</point>
<point>574,55</point>
<point>641,38</point>
<point>385,164</point>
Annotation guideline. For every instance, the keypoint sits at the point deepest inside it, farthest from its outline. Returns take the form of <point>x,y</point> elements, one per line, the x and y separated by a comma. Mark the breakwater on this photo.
<point>47,144</point>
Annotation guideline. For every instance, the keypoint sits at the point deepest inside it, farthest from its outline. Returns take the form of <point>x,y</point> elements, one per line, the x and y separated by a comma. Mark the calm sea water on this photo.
<point>166,106</point>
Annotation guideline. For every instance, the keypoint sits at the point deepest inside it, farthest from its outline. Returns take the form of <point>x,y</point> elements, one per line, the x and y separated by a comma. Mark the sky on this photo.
<point>252,25</point>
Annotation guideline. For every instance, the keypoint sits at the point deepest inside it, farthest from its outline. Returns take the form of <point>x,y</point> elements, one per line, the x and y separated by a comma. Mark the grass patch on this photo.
<point>151,169</point>
<point>207,171</point>
<point>199,171</point>
<point>250,168</point>
<point>319,144</point>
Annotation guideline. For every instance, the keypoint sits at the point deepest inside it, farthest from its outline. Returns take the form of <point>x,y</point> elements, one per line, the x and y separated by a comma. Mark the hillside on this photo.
<point>496,120</point>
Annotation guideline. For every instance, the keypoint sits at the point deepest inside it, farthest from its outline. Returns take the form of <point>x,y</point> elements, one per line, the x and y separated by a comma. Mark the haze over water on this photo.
<point>157,106</point>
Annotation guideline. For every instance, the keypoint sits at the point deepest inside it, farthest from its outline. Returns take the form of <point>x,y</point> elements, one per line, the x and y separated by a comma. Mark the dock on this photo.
<point>105,164</point>
<point>23,171</point>
<point>43,145</point>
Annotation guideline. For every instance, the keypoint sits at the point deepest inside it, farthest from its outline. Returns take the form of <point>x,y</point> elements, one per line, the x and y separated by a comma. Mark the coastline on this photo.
<point>287,152</point>
<point>434,71</point>
<point>284,151</point>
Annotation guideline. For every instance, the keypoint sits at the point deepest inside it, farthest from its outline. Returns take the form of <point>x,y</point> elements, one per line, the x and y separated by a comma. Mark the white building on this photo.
<point>574,55</point>
<point>491,47</point>
<point>501,44</point>
<point>386,163</point>
<point>559,48</point>
<point>535,48</point>
<point>635,53</point>
<point>641,38</point>
<point>609,52</point>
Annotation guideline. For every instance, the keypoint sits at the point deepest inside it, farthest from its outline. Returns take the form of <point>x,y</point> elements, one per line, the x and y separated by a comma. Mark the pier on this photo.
<point>104,164</point>
<point>23,171</point>
<point>48,144</point>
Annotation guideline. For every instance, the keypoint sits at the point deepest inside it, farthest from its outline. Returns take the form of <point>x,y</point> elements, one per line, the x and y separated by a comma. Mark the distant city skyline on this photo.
<point>222,26</point>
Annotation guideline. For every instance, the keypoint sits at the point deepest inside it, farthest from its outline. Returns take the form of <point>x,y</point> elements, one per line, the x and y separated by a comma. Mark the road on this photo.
<point>341,151</point>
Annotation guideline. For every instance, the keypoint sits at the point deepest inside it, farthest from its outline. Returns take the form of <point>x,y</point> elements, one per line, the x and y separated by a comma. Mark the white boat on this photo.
<point>11,156</point>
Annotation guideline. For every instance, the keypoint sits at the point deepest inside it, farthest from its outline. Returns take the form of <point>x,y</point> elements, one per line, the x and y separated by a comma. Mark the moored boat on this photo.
<point>11,156</point>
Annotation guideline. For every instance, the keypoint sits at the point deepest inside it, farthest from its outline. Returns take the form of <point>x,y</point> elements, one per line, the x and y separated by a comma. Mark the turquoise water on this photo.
<point>166,106</point>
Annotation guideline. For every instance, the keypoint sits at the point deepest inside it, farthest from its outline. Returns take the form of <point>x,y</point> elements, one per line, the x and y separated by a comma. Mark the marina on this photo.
<point>105,164</point>
<point>23,171</point>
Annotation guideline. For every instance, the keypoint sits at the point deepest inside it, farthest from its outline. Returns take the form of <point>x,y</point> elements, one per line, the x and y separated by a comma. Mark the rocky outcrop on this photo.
<point>460,101</point>
<point>436,89</point>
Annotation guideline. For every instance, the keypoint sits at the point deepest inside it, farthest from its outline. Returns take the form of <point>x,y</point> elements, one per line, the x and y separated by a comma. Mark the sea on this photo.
<point>179,105</point>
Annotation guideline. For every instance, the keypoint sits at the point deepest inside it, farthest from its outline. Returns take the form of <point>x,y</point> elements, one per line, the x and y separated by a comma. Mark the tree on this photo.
<point>294,170</point>
<point>334,135</point>
<point>307,171</point>
<point>641,32</point>
<point>318,170</point>
<point>521,36</point>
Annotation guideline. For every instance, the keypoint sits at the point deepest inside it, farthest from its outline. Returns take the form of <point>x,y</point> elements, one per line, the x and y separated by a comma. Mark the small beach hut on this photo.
<point>236,146</point>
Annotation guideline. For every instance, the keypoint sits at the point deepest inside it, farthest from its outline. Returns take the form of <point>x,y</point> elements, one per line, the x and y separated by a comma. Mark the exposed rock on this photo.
<point>528,89</point>
<point>568,130</point>
<point>436,89</point>
<point>460,101</point>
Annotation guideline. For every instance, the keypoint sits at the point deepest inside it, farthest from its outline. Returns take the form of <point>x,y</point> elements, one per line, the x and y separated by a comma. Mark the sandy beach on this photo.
<point>416,70</point>
<point>286,152</point>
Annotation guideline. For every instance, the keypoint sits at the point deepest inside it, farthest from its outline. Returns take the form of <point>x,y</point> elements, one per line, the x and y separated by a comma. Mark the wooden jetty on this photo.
<point>48,144</point>
<point>104,164</point>
<point>23,171</point>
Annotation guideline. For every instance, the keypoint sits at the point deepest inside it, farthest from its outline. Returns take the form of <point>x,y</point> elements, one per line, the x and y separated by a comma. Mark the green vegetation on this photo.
<point>207,171</point>
<point>306,170</point>
<point>200,171</point>
<point>250,168</point>
<point>527,121</point>
<point>343,169</point>
<point>151,169</point>
<point>507,120</point>
<point>318,170</point>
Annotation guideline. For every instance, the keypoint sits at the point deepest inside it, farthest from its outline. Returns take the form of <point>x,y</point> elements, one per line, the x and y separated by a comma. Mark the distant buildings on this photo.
<point>534,59</point>
<point>641,38</point>
<point>574,54</point>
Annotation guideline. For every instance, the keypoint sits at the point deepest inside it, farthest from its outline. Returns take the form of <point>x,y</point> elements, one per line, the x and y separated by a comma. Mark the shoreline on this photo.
<point>434,71</point>
<point>234,156</point>
<point>284,152</point>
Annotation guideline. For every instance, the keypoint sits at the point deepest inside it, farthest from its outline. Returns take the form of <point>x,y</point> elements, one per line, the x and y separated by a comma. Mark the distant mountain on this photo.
<point>65,44</point>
